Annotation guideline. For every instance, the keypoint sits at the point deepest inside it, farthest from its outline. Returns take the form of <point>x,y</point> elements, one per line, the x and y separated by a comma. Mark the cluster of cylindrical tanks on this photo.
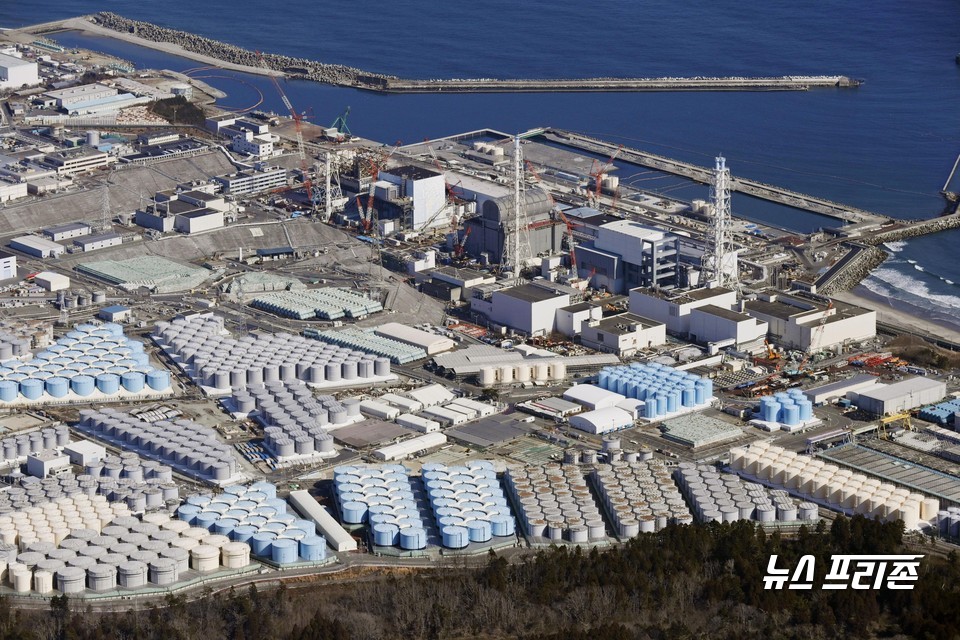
<point>948,522</point>
<point>841,489</point>
<point>294,421</point>
<point>138,487</point>
<point>383,497</point>
<point>791,408</point>
<point>90,362</point>
<point>330,303</point>
<point>555,503</point>
<point>468,503</point>
<point>142,484</point>
<point>255,517</point>
<point>52,521</point>
<point>551,371</point>
<point>17,447</point>
<point>724,497</point>
<point>124,553</point>
<point>222,363</point>
<point>640,497</point>
<point>188,447</point>
<point>664,390</point>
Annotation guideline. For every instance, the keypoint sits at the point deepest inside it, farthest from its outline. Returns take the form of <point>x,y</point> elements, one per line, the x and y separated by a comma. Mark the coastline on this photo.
<point>891,315</point>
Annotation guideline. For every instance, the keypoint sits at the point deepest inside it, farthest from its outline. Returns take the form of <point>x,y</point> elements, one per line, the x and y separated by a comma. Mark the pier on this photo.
<point>704,175</point>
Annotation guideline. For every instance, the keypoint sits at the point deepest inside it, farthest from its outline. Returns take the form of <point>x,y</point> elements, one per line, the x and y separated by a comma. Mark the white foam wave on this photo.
<point>912,261</point>
<point>895,247</point>
<point>895,284</point>
<point>947,281</point>
<point>918,267</point>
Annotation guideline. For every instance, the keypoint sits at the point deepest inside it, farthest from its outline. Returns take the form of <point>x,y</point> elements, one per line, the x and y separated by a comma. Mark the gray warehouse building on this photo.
<point>495,221</point>
<point>900,396</point>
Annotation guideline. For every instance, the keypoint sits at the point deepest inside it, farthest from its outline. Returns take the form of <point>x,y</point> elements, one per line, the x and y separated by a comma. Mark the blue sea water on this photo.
<point>886,146</point>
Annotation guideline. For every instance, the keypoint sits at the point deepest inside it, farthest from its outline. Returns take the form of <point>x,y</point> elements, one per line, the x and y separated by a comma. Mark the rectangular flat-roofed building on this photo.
<point>899,396</point>
<point>99,241</point>
<point>624,334</point>
<point>67,231</point>
<point>8,265</point>
<point>52,281</point>
<point>16,72</point>
<point>197,221</point>
<point>37,247</point>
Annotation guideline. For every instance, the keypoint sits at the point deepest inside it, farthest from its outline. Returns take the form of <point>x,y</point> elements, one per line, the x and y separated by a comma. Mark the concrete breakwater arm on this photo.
<point>231,56</point>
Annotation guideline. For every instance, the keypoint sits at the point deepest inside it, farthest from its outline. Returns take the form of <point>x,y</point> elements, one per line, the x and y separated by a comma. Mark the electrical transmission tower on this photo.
<point>105,209</point>
<point>716,264</point>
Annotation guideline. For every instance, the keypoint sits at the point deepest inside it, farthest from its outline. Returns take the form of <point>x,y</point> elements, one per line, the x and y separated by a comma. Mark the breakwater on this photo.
<point>206,49</point>
<point>851,270</point>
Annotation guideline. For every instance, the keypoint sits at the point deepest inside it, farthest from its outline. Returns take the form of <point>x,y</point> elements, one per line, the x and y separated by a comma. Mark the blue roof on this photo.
<point>117,308</point>
<point>279,251</point>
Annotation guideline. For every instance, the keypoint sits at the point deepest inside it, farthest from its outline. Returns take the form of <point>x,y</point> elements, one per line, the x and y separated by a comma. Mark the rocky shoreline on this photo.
<point>336,74</point>
<point>856,271</point>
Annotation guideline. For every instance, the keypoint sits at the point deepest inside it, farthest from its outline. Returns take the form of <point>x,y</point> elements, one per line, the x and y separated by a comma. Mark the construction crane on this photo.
<point>599,173</point>
<point>340,124</point>
<point>298,126</point>
<point>903,417</point>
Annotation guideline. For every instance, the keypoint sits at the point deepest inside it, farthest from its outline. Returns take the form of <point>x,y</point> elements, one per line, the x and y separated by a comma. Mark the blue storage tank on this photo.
<point>108,383</point>
<point>206,519</point>
<point>661,400</point>
<point>689,397</point>
<point>132,381</point>
<point>700,394</point>
<point>82,385</point>
<point>261,543</point>
<point>413,538</point>
<point>354,512</point>
<point>707,386</point>
<point>135,346</point>
<point>673,401</point>
<point>386,535</point>
<point>313,548</point>
<point>650,410</point>
<point>188,513</point>
<point>9,390</point>
<point>225,526</point>
<point>31,388</point>
<point>502,525</point>
<point>142,359</point>
<point>243,533</point>
<point>791,414</point>
<point>479,531</point>
<point>158,380</point>
<point>57,386</point>
<point>806,410</point>
<point>455,537</point>
<point>769,410</point>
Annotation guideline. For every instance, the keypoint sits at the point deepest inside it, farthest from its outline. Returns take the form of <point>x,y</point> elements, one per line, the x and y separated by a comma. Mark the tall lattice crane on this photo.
<point>601,170</point>
<point>298,127</point>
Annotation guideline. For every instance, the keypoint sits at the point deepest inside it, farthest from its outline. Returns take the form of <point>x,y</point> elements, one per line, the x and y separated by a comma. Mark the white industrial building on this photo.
<point>260,146</point>
<point>16,72</point>
<point>713,325</point>
<point>406,404</point>
<point>8,265</point>
<point>12,188</point>
<point>840,388</point>
<point>427,190</point>
<point>623,335</point>
<point>626,254</point>
<point>52,281</point>
<point>602,420</point>
<point>78,160</point>
<point>381,410</point>
<point>67,231</point>
<point>71,96</point>
<point>255,180</point>
<point>570,320</point>
<point>99,241</point>
<point>673,307</point>
<point>114,313</point>
<point>84,452</point>
<point>418,423</point>
<point>899,396</point>
<point>812,324</point>
<point>336,536</point>
<point>527,308</point>
<point>431,395</point>
<point>407,448</point>
<point>197,221</point>
<point>592,397</point>
<point>44,463</point>
<point>446,417</point>
<point>429,342</point>
<point>37,247</point>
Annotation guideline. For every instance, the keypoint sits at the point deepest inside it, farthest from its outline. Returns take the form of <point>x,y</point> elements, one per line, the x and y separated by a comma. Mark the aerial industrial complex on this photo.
<point>251,345</point>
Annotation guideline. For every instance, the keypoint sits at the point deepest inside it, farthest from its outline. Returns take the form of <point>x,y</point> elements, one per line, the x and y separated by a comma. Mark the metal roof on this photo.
<point>902,388</point>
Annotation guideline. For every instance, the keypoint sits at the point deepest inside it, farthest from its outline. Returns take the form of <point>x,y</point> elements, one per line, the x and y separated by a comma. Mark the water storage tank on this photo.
<point>381,367</point>
<point>132,381</point>
<point>82,385</point>
<point>558,371</point>
<point>204,558</point>
<point>57,386</point>
<point>235,555</point>
<point>286,551</point>
<point>71,580</point>
<point>8,390</point>
<point>31,388</point>
<point>93,138</point>
<point>488,377</point>
<point>158,380</point>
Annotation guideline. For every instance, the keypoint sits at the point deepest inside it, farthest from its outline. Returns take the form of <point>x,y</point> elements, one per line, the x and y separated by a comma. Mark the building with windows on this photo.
<point>627,254</point>
<point>8,265</point>
<point>426,191</point>
<point>673,308</point>
<point>527,308</point>
<point>812,323</point>
<point>67,231</point>
<point>37,246</point>
<point>99,241</point>
<point>78,160</point>
<point>253,180</point>
<point>623,335</point>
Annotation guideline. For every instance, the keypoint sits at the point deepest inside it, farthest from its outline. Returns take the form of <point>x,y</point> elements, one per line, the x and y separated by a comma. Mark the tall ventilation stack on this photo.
<point>516,241</point>
<point>720,247</point>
